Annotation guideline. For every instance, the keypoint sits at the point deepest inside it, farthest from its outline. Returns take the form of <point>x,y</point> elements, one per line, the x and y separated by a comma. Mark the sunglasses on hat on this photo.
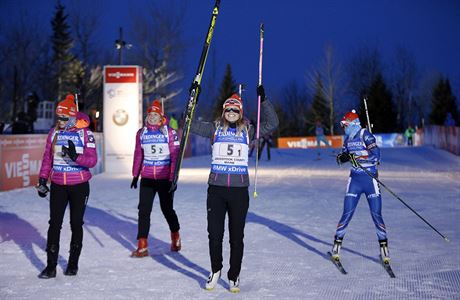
<point>235,110</point>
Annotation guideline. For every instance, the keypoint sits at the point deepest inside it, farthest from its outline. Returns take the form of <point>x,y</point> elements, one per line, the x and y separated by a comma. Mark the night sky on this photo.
<point>296,32</point>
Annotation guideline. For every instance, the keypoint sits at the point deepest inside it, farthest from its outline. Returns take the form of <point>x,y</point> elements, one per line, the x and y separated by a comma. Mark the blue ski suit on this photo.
<point>361,143</point>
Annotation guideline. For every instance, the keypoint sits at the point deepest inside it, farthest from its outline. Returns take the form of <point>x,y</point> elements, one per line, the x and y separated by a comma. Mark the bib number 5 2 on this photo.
<point>156,149</point>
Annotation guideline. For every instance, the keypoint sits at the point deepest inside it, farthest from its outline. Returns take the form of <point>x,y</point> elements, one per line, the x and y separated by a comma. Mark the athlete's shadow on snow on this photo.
<point>295,235</point>
<point>23,234</point>
<point>123,229</point>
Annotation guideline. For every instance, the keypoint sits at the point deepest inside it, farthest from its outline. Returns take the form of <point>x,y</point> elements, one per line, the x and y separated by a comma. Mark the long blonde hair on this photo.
<point>241,125</point>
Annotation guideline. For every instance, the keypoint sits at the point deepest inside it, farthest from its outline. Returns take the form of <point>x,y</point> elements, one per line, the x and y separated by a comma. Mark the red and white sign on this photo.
<point>120,74</point>
<point>122,115</point>
<point>20,160</point>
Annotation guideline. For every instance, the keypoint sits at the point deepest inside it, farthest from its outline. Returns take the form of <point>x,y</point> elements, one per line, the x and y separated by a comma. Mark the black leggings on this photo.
<point>147,191</point>
<point>77,197</point>
<point>235,202</point>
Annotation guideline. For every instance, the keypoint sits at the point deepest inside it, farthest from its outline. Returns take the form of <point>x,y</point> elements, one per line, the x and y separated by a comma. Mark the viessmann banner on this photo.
<point>122,115</point>
<point>304,142</point>
<point>20,160</point>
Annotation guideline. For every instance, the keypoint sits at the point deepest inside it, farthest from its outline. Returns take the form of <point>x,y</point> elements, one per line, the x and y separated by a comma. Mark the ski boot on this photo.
<point>336,249</point>
<point>142,248</point>
<point>52,252</point>
<point>384,253</point>
<point>72,266</point>
<point>212,280</point>
<point>234,286</point>
<point>175,241</point>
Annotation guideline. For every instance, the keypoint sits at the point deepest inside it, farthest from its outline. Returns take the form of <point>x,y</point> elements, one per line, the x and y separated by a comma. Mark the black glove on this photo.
<point>261,93</point>
<point>134,182</point>
<point>342,158</point>
<point>70,151</point>
<point>41,187</point>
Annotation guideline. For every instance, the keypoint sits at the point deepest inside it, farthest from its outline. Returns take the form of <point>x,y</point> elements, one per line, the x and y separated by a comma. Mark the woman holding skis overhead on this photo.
<point>69,153</point>
<point>229,181</point>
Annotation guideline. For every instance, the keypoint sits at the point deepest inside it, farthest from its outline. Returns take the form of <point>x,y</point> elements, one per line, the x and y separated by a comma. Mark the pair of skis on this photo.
<point>385,264</point>
<point>194,92</point>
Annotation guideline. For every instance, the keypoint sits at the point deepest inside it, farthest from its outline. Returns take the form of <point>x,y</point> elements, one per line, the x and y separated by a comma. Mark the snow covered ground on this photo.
<point>289,229</point>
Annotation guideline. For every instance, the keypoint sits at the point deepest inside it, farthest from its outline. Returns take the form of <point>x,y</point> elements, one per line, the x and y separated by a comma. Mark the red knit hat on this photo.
<point>350,118</point>
<point>234,100</point>
<point>155,107</point>
<point>67,107</point>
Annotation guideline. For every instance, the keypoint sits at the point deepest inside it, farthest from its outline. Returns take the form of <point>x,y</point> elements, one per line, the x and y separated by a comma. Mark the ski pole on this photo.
<point>399,198</point>
<point>76,98</point>
<point>258,107</point>
<point>367,114</point>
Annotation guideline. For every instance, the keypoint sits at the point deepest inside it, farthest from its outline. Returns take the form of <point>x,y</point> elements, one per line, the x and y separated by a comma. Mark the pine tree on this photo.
<point>68,71</point>
<point>380,106</point>
<point>296,110</point>
<point>319,107</point>
<point>443,102</point>
<point>227,88</point>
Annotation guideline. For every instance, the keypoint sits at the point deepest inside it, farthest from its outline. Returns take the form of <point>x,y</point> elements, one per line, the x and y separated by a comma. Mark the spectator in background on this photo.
<point>181,120</point>
<point>418,136</point>
<point>449,120</point>
<point>173,122</point>
<point>265,140</point>
<point>21,125</point>
<point>409,134</point>
<point>320,136</point>
<point>253,143</point>
<point>92,123</point>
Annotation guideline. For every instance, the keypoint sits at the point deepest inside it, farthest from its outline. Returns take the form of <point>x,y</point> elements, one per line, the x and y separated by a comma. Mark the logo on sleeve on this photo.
<point>91,141</point>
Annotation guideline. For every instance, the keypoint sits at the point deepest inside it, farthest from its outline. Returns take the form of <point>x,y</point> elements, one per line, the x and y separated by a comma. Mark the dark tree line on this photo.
<point>46,62</point>
<point>394,102</point>
<point>395,96</point>
<point>64,56</point>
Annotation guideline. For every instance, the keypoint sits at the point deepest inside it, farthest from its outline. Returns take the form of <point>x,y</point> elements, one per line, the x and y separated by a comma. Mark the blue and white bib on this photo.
<point>64,163</point>
<point>230,152</point>
<point>156,147</point>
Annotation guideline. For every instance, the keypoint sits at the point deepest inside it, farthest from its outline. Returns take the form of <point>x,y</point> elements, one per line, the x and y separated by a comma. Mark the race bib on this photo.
<point>230,152</point>
<point>61,162</point>
<point>156,148</point>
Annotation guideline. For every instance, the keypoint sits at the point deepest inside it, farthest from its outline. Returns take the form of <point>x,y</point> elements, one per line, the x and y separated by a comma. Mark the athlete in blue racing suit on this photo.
<point>360,148</point>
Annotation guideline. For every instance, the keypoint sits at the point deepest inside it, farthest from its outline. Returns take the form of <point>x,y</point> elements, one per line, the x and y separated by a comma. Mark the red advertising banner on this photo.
<point>20,160</point>
<point>304,142</point>
<point>120,74</point>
